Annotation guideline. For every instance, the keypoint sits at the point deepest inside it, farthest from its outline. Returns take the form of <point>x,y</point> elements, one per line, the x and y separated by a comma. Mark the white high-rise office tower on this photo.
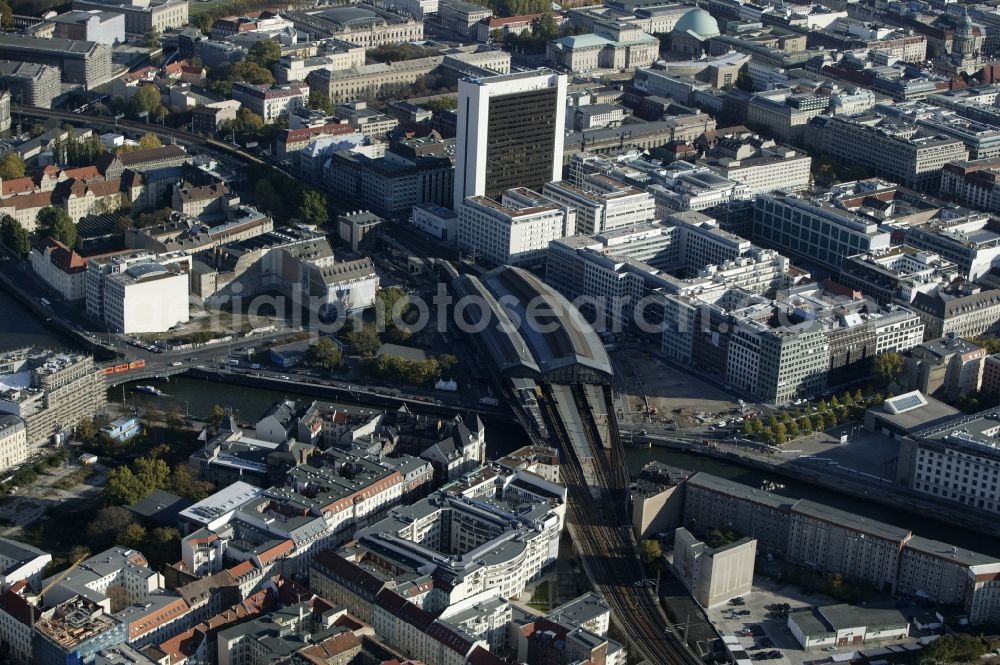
<point>510,133</point>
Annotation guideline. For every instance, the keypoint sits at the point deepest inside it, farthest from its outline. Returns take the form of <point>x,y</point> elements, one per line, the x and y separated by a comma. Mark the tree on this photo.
<point>320,102</point>
<point>149,140</point>
<point>264,195</point>
<point>990,343</point>
<point>961,648</point>
<point>123,487</point>
<point>448,363</point>
<point>747,428</point>
<point>324,353</point>
<point>153,473</point>
<point>132,536</point>
<point>108,522</point>
<point>183,483</point>
<point>887,367</point>
<point>819,423</point>
<point>780,433</point>
<point>793,429</point>
<point>248,125</point>
<point>364,340</point>
<point>153,39</point>
<point>831,420</point>
<point>215,415</point>
<point>391,304</point>
<point>161,546</point>
<point>79,553</point>
<point>312,207</point>
<point>439,104</point>
<point>15,236</point>
<point>55,222</point>
<point>264,53</point>
<point>12,166</point>
<point>545,27</point>
<point>6,16</point>
<point>249,72</point>
<point>86,430</point>
<point>146,100</point>
<point>651,551</point>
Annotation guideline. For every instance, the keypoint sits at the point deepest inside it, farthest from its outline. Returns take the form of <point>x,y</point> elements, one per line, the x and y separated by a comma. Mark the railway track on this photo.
<point>180,135</point>
<point>598,514</point>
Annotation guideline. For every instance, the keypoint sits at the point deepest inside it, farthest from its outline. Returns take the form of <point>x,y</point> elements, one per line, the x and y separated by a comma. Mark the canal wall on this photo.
<point>57,325</point>
<point>368,398</point>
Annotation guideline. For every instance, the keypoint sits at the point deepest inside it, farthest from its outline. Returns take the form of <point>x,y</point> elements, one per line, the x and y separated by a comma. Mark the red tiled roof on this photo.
<point>241,569</point>
<point>17,186</point>
<point>28,201</point>
<point>326,650</point>
<point>137,75</point>
<point>15,605</point>
<point>60,255</point>
<point>276,552</point>
<point>83,173</point>
<point>307,133</point>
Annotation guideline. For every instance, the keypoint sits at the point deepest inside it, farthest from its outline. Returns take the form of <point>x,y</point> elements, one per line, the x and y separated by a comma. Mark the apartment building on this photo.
<point>903,153</point>
<point>964,237</point>
<point>837,542</point>
<point>471,519</point>
<point>602,204</point>
<point>898,273</point>
<point>391,183</point>
<point>50,391</point>
<point>965,311</point>
<point>972,183</point>
<point>60,267</point>
<point>84,63</point>
<point>271,102</point>
<point>515,231</point>
<point>833,540</point>
<point>944,368</point>
<point>30,83</point>
<point>711,502</point>
<point>956,462</point>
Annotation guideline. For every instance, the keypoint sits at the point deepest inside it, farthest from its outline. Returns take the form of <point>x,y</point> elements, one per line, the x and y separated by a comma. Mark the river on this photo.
<point>19,328</point>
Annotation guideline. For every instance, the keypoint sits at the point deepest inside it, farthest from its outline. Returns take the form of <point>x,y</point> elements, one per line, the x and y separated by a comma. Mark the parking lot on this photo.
<point>773,633</point>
